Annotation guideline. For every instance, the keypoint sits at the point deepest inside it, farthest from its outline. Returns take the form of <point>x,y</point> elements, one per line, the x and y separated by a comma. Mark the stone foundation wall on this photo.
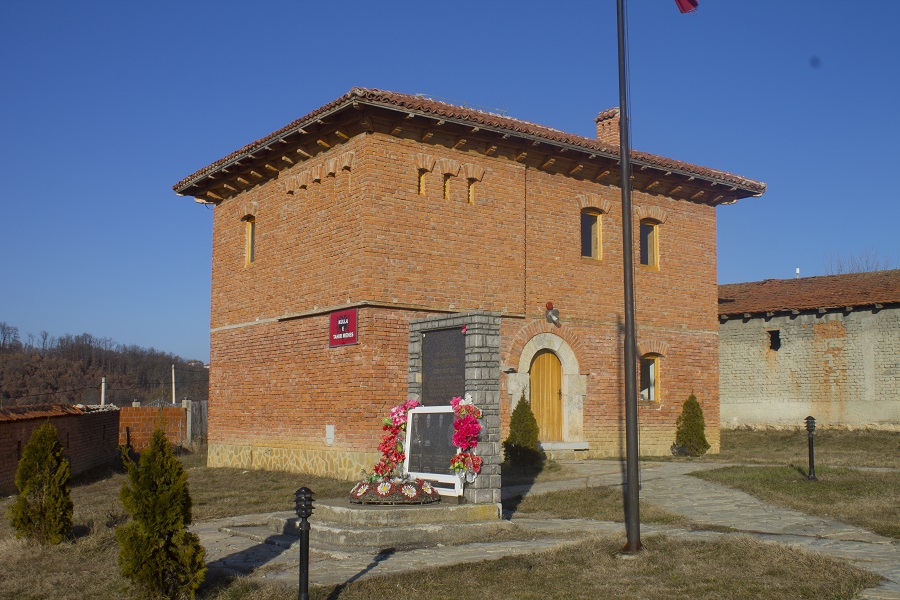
<point>325,463</point>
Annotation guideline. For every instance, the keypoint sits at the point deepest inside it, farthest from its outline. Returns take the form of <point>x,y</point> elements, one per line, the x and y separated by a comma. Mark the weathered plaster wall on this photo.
<point>840,367</point>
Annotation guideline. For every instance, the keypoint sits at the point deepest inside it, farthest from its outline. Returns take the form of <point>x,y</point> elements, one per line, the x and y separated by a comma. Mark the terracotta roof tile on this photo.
<point>827,291</point>
<point>487,119</point>
<point>37,411</point>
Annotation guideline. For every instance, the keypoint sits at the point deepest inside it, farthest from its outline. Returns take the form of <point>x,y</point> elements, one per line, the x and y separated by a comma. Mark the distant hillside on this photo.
<point>68,369</point>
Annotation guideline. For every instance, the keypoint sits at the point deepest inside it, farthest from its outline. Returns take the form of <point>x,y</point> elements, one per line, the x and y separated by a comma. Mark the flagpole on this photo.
<point>632,498</point>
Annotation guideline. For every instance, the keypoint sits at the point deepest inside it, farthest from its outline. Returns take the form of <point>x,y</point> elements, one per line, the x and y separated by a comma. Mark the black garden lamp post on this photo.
<point>303,500</point>
<point>810,428</point>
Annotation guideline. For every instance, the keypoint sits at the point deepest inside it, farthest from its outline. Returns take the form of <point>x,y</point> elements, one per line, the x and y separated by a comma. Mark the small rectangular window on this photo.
<point>650,378</point>
<point>446,186</point>
<point>251,240</point>
<point>590,234</point>
<point>774,339</point>
<point>649,244</point>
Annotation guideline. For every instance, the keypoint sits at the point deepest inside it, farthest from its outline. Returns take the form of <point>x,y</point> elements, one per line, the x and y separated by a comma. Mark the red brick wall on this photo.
<point>366,235</point>
<point>89,440</point>
<point>136,425</point>
<point>299,384</point>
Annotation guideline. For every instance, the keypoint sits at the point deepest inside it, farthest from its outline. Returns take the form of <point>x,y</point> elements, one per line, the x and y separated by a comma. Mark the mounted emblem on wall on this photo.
<point>342,328</point>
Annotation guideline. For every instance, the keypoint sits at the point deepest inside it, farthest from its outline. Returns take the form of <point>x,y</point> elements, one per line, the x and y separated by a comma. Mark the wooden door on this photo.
<point>546,395</point>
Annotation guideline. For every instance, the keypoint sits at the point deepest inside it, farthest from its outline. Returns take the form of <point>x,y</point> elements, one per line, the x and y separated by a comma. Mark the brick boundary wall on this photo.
<point>89,440</point>
<point>137,423</point>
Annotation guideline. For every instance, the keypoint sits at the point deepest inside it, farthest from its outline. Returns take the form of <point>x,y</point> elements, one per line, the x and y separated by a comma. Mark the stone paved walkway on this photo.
<point>666,484</point>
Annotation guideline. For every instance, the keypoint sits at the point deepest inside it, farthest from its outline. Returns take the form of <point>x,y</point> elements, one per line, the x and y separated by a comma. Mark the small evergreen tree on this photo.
<point>43,509</point>
<point>690,436</point>
<point>521,447</point>
<point>156,551</point>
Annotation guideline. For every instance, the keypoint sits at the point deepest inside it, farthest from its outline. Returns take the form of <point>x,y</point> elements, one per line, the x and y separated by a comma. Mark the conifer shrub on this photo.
<point>156,551</point>
<point>690,436</point>
<point>521,447</point>
<point>43,509</point>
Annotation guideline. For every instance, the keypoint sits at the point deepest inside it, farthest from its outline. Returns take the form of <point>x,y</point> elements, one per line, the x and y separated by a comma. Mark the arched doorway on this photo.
<point>546,395</point>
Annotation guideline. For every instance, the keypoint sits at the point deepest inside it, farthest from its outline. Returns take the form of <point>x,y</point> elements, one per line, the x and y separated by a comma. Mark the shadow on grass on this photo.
<point>223,571</point>
<point>382,556</point>
<point>516,482</point>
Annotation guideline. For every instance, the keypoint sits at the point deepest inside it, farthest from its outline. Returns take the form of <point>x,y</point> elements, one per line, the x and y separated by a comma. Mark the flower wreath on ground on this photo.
<point>384,486</point>
<point>466,429</point>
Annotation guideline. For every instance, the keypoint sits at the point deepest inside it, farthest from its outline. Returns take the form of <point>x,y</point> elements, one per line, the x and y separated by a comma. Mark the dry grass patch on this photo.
<point>597,503</point>
<point>88,567</point>
<point>223,492</point>
<point>85,568</point>
<point>868,499</point>
<point>837,448</point>
<point>731,567</point>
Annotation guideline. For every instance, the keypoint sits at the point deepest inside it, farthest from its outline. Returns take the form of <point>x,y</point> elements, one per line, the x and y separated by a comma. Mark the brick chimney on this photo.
<point>608,126</point>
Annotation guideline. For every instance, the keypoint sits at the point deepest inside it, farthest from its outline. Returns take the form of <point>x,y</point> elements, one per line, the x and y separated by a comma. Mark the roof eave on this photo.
<point>735,191</point>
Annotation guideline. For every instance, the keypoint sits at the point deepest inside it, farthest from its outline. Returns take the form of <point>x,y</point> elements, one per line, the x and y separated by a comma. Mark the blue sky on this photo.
<point>105,105</point>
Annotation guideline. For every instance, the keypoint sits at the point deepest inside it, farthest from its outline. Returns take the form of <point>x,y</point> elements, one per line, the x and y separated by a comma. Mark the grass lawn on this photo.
<point>836,448</point>
<point>89,568</point>
<point>866,498</point>
<point>597,503</point>
<point>729,568</point>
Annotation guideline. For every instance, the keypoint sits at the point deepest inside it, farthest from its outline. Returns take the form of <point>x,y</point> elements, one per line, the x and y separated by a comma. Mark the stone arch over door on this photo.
<point>574,386</point>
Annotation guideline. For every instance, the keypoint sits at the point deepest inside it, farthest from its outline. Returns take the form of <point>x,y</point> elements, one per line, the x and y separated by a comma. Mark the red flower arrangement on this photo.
<point>382,487</point>
<point>466,430</point>
<point>391,447</point>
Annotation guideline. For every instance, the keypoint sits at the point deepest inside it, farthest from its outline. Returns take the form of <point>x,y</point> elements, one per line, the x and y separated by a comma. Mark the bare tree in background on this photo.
<point>836,264</point>
<point>9,336</point>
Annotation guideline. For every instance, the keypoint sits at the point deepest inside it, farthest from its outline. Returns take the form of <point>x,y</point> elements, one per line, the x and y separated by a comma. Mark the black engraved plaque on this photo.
<point>431,443</point>
<point>443,366</point>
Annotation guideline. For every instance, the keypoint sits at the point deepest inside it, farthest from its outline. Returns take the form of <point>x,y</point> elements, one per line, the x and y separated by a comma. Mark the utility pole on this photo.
<point>632,493</point>
<point>103,391</point>
<point>173,384</point>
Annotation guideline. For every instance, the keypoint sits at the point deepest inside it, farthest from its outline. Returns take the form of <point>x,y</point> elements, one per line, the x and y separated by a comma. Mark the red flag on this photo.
<point>686,6</point>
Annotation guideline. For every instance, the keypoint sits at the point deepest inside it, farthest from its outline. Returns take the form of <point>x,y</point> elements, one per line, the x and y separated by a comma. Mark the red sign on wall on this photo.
<point>342,330</point>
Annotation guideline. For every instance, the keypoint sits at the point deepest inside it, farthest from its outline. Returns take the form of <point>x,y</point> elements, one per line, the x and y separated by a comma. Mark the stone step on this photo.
<point>371,515</point>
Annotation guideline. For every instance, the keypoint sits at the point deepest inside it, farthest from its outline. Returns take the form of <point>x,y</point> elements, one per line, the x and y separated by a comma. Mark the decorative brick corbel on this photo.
<point>473,172</point>
<point>424,162</point>
<point>657,347</point>
<point>447,166</point>
<point>289,184</point>
<point>331,167</point>
<point>593,201</point>
<point>346,160</point>
<point>297,181</point>
<point>652,213</point>
<point>249,208</point>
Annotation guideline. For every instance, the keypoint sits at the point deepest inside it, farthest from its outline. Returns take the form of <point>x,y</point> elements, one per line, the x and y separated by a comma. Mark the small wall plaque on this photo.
<point>342,330</point>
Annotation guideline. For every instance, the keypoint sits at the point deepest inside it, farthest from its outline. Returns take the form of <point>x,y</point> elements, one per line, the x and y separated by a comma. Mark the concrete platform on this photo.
<point>373,515</point>
<point>339,524</point>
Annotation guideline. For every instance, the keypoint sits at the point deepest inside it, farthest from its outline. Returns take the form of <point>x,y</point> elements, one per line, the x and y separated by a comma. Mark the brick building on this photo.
<point>400,207</point>
<point>822,346</point>
<point>88,434</point>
